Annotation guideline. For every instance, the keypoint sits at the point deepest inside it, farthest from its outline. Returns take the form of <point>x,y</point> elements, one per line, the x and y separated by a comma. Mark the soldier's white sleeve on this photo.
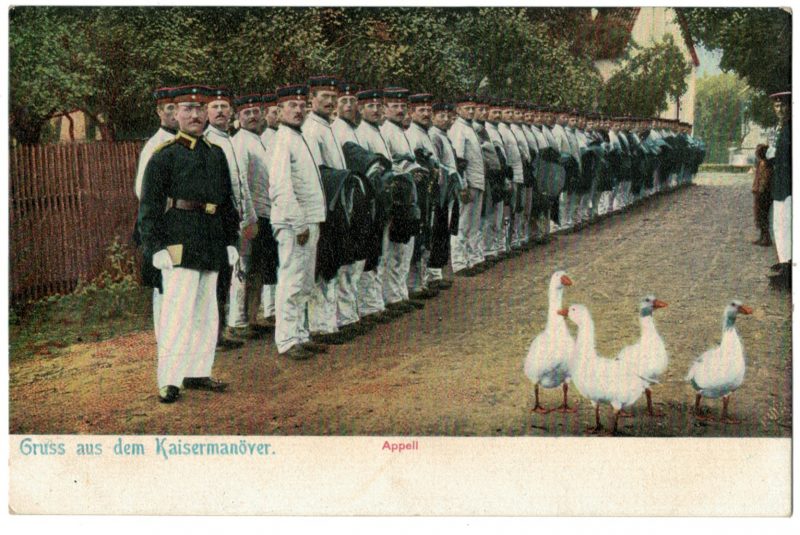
<point>144,157</point>
<point>286,211</point>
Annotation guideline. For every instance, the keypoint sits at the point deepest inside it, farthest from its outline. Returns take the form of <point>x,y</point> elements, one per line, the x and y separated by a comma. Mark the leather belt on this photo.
<point>192,206</point>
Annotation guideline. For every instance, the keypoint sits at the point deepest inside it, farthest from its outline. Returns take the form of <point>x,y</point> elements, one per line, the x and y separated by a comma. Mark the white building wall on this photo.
<point>649,28</point>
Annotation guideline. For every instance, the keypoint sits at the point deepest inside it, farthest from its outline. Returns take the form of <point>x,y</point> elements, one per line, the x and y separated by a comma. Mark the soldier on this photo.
<point>188,243</point>
<point>498,183</point>
<point>515,161</point>
<point>327,151</point>
<point>532,128</point>
<point>298,203</point>
<point>220,112</point>
<point>165,109</point>
<point>400,253</point>
<point>528,153</point>
<point>259,256</point>
<point>467,247</point>
<point>422,147</point>
<point>441,122</point>
<point>782,191</point>
<point>269,115</point>
<point>349,275</point>
<point>373,280</point>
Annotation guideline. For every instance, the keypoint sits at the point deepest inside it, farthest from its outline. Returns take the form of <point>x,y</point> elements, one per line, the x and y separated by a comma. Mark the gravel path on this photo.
<point>455,368</point>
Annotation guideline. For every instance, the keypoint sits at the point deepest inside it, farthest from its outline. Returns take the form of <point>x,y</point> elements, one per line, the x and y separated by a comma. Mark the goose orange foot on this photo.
<point>538,409</point>
<point>565,409</point>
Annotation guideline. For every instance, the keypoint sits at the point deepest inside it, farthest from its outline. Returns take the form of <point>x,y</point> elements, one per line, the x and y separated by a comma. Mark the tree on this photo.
<point>647,79</point>
<point>722,113</point>
<point>756,43</point>
<point>48,72</point>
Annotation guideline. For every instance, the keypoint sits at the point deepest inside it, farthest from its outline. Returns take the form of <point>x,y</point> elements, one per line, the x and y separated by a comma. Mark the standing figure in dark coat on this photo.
<point>762,195</point>
<point>189,227</point>
<point>782,192</point>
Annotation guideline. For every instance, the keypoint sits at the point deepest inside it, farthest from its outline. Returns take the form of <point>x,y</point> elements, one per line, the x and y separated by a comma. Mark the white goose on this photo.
<point>648,357</point>
<point>600,380</point>
<point>547,362</point>
<point>720,370</point>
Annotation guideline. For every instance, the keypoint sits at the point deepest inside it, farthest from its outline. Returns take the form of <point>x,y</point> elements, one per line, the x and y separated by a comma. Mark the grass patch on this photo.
<point>724,168</point>
<point>110,305</point>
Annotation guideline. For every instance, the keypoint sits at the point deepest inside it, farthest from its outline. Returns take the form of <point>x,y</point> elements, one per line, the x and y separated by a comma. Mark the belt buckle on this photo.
<point>210,209</point>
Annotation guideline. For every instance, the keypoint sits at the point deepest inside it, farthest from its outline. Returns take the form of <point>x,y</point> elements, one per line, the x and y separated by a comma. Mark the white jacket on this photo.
<point>158,139</point>
<point>344,132</point>
<point>241,190</point>
<point>513,157</point>
<point>468,147</point>
<point>399,146</point>
<point>319,135</point>
<point>254,158</point>
<point>372,139</point>
<point>295,184</point>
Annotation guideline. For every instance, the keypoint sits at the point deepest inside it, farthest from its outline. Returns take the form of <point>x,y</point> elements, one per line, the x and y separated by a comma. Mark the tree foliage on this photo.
<point>647,80</point>
<point>106,61</point>
<point>756,43</point>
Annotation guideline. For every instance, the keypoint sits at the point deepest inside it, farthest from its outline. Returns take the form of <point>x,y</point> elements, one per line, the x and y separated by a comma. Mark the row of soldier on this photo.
<point>347,215</point>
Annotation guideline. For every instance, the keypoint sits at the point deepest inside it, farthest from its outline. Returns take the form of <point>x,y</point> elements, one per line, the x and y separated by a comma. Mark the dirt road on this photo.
<point>455,368</point>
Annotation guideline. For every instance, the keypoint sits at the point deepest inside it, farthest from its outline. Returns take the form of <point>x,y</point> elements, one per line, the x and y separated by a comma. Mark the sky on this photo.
<point>709,61</point>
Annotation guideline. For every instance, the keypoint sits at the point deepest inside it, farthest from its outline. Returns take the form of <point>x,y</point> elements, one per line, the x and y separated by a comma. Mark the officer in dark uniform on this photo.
<point>188,226</point>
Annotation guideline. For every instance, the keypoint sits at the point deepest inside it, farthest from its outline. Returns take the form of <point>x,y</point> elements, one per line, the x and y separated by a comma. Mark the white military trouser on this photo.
<point>585,207</point>
<point>782,228</point>
<point>526,212</point>
<point>517,230</point>
<point>492,229</point>
<point>418,272</point>
<point>370,284</point>
<point>322,307</point>
<point>156,311</point>
<point>237,316</point>
<point>396,263</point>
<point>347,292</point>
<point>295,283</point>
<point>268,300</point>
<point>188,323</point>
<point>466,249</point>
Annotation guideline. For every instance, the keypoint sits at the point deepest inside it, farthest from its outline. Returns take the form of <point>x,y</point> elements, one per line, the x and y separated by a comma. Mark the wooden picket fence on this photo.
<point>67,203</point>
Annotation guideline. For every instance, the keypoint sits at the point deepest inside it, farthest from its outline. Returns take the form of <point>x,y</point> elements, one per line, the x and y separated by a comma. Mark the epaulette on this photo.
<point>163,145</point>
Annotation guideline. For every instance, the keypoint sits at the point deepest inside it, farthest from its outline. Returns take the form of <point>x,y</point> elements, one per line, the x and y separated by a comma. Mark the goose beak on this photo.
<point>659,304</point>
<point>745,310</point>
<point>564,312</point>
<point>566,281</point>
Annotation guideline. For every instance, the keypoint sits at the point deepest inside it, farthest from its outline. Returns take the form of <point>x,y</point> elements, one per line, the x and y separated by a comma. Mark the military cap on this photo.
<point>163,95</point>
<point>247,101</point>
<point>219,93</point>
<point>190,93</point>
<point>395,93</point>
<point>269,98</point>
<point>420,98</point>
<point>347,88</point>
<point>291,92</point>
<point>782,95</point>
<point>482,100</point>
<point>443,106</point>
<point>331,83</point>
<point>370,94</point>
<point>495,103</point>
<point>507,103</point>
<point>467,99</point>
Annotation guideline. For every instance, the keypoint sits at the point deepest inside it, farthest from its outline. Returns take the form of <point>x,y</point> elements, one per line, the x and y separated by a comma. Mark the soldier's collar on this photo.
<point>398,125</point>
<point>218,130</point>
<point>187,140</point>
<point>376,126</point>
<point>273,128</point>
<point>172,131</point>
<point>481,122</point>
<point>292,127</point>
<point>421,127</point>
<point>326,120</point>
<point>347,122</point>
